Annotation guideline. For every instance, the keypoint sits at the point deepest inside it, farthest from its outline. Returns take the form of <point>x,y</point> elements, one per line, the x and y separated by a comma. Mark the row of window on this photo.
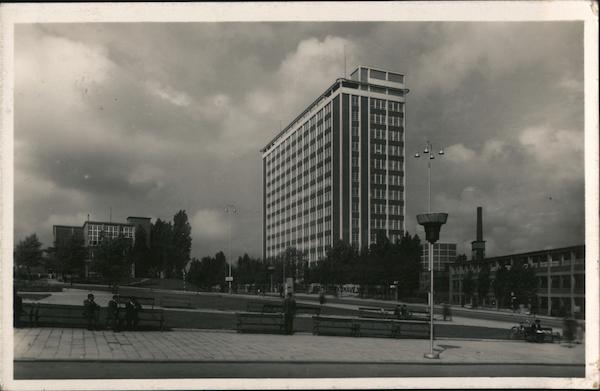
<point>379,164</point>
<point>380,134</point>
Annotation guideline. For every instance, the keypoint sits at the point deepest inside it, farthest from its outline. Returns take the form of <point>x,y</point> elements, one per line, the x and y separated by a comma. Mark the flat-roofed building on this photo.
<point>337,170</point>
<point>560,275</point>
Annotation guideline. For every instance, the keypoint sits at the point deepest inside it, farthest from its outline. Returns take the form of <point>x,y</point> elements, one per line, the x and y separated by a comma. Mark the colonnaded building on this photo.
<point>337,170</point>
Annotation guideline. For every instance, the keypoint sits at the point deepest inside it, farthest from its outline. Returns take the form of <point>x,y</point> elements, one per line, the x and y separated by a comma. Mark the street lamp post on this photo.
<point>431,222</point>
<point>230,210</point>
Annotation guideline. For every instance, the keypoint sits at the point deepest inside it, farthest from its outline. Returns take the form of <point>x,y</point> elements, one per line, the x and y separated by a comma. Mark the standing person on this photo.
<point>112,317</point>
<point>446,312</point>
<point>404,312</point>
<point>289,310</point>
<point>321,297</point>
<point>17,308</point>
<point>132,308</point>
<point>91,312</point>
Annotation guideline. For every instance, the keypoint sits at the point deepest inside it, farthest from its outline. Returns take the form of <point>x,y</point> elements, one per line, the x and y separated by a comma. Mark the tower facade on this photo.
<point>336,172</point>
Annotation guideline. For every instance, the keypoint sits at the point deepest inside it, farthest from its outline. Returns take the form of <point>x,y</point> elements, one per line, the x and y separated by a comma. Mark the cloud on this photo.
<point>459,153</point>
<point>178,98</point>
<point>151,118</point>
<point>209,224</point>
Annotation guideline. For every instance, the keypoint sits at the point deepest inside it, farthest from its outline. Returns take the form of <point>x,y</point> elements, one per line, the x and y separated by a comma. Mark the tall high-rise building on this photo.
<point>337,170</point>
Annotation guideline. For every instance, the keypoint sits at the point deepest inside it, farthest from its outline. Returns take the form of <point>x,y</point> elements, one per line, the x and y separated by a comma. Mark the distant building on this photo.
<point>444,254</point>
<point>63,233</point>
<point>337,170</point>
<point>92,231</point>
<point>560,273</point>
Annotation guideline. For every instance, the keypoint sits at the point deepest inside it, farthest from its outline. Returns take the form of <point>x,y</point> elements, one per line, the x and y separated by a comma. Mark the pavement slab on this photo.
<point>183,345</point>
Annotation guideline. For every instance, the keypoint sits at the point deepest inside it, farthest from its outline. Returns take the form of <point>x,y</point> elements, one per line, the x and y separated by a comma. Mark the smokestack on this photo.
<point>478,246</point>
<point>479,224</point>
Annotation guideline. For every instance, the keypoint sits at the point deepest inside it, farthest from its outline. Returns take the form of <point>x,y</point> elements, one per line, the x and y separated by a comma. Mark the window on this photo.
<point>377,74</point>
<point>395,77</point>
<point>354,100</point>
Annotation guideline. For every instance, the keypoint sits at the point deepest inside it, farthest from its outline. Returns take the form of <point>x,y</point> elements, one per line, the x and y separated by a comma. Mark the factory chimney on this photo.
<point>478,246</point>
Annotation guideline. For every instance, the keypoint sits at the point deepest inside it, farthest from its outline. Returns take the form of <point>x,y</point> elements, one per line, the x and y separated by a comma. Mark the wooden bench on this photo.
<point>369,327</point>
<point>53,315</point>
<point>255,322</point>
<point>148,318</point>
<point>378,313</point>
<point>143,301</point>
<point>176,301</point>
<point>27,315</point>
<point>254,306</point>
<point>304,309</point>
<point>334,325</point>
<point>412,329</point>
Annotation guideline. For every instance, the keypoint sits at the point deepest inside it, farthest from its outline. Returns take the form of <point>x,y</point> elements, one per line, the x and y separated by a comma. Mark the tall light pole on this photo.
<point>429,221</point>
<point>230,210</point>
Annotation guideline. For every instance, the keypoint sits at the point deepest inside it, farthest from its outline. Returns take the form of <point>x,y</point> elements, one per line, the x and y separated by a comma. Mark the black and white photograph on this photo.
<point>299,195</point>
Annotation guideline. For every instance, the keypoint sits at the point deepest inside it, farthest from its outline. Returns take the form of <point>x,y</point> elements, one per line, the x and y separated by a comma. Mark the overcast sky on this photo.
<point>148,119</point>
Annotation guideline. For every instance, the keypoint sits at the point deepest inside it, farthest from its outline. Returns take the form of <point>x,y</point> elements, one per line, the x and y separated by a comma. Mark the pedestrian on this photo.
<point>404,312</point>
<point>112,314</point>
<point>17,308</point>
<point>91,312</point>
<point>446,312</point>
<point>321,297</point>
<point>132,309</point>
<point>289,310</point>
<point>281,291</point>
<point>569,329</point>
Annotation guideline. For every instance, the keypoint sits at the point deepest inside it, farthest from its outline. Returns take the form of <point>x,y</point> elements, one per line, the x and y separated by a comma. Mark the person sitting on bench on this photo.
<point>112,318</point>
<point>91,312</point>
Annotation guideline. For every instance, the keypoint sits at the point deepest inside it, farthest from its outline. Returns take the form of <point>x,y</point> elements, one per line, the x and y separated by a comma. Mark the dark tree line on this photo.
<point>167,254</point>
<point>169,250</point>
<point>518,281</point>
<point>381,265</point>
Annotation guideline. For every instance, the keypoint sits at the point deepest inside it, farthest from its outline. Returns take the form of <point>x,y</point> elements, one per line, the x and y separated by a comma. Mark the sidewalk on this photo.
<point>57,344</point>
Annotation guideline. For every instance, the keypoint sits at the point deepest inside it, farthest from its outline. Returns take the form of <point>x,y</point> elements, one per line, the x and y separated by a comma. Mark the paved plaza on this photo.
<point>207,345</point>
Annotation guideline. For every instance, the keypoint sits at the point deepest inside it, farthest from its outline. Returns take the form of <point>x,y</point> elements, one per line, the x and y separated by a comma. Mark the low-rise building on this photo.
<point>560,277</point>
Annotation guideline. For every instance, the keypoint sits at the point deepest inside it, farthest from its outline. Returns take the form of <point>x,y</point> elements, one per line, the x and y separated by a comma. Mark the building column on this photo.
<point>572,285</point>
<point>549,283</point>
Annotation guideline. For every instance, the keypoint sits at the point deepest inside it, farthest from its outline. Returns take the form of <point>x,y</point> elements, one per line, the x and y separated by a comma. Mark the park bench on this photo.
<point>374,312</point>
<point>411,329</point>
<point>27,315</point>
<point>300,309</point>
<point>176,301</point>
<point>59,315</point>
<point>253,306</point>
<point>143,301</point>
<point>260,322</point>
<point>150,319</point>
<point>369,327</point>
<point>334,325</point>
<point>53,315</point>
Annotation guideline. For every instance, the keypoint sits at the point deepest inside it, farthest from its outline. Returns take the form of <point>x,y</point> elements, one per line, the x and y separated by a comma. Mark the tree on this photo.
<point>182,243</point>
<point>468,285</point>
<point>483,282</point>
<point>523,282</point>
<point>250,271</point>
<point>501,285</point>
<point>161,247</point>
<point>112,259</point>
<point>28,253</point>
<point>140,253</point>
<point>209,271</point>
<point>409,254</point>
<point>70,255</point>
